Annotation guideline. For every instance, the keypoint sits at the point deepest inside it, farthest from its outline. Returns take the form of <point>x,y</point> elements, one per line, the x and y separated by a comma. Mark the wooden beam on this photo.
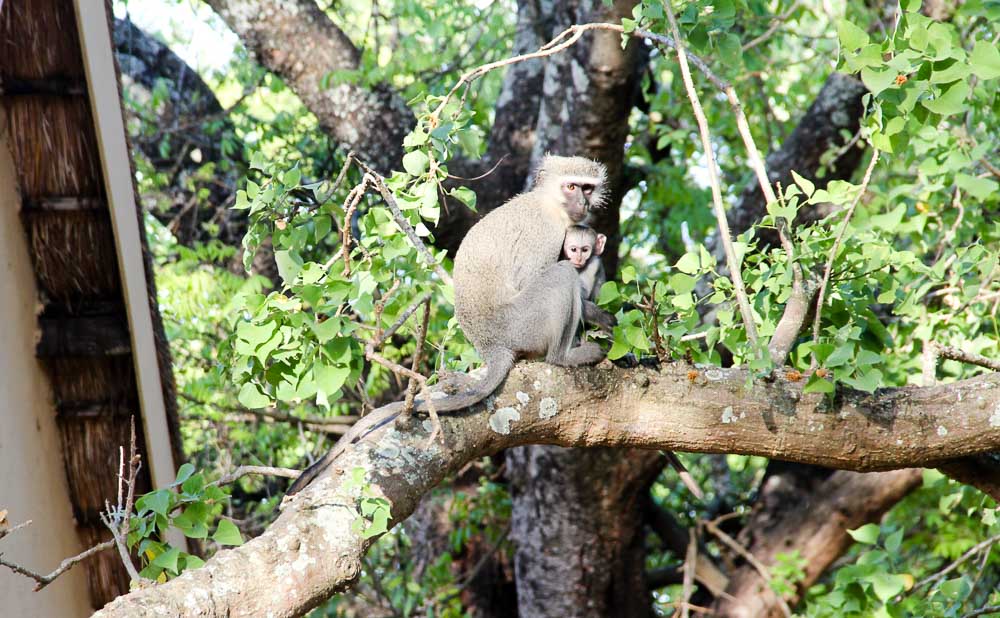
<point>88,336</point>
<point>61,204</point>
<point>50,86</point>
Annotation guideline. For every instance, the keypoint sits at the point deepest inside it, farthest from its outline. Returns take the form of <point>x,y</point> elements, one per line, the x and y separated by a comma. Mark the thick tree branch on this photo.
<point>298,42</point>
<point>817,529</point>
<point>313,551</point>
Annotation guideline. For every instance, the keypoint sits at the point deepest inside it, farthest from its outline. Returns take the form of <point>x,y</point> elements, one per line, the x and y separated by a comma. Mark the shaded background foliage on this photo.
<point>250,144</point>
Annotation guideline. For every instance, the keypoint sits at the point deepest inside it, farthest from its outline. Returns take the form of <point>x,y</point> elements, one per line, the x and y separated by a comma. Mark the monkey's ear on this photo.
<point>599,244</point>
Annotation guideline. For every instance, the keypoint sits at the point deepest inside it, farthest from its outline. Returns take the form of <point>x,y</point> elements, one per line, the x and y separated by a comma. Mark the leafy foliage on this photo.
<point>918,263</point>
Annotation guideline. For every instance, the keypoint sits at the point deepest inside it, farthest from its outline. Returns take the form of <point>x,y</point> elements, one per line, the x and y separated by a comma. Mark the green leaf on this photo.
<point>877,81</point>
<point>185,471</point>
<point>688,264</point>
<point>329,378</point>
<point>851,37</point>
<point>156,501</point>
<point>730,50</point>
<point>804,183</point>
<point>681,283</point>
<point>379,525</point>
<point>816,384</point>
<point>867,534</point>
<point>168,559</point>
<point>465,195</point>
<point>251,397</point>
<point>227,533</point>
<point>957,70</point>
<point>415,163</point>
<point>952,101</point>
<point>985,60</point>
<point>252,189</point>
<point>628,274</point>
<point>979,188</point>
<point>291,177</point>
<point>887,585</point>
<point>258,161</point>
<point>289,265</point>
<point>608,293</point>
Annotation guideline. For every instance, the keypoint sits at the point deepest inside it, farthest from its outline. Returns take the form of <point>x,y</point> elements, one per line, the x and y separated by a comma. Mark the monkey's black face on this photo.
<point>576,198</point>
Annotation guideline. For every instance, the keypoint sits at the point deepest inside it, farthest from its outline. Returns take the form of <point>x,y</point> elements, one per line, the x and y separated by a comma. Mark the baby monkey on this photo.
<point>583,248</point>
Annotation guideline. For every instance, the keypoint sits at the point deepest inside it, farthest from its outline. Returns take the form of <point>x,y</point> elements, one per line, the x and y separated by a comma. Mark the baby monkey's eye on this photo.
<point>570,187</point>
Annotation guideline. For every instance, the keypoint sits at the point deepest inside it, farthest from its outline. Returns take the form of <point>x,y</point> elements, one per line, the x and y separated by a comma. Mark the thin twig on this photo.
<point>411,388</point>
<point>975,549</point>
<point>404,224</point>
<point>821,295</point>
<point>982,611</point>
<point>65,565</point>
<point>5,531</point>
<point>962,356</point>
<point>928,364</point>
<point>690,561</point>
<point>403,317</point>
<point>758,566</point>
<point>241,471</point>
<point>274,414</point>
<point>775,24</point>
<point>481,176</point>
<point>720,210</point>
<point>118,519</point>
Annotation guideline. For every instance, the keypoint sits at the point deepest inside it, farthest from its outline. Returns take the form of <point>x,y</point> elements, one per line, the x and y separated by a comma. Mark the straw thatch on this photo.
<point>45,117</point>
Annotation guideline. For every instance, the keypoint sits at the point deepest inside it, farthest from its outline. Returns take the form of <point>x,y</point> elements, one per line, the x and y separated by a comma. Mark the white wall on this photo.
<point>32,479</point>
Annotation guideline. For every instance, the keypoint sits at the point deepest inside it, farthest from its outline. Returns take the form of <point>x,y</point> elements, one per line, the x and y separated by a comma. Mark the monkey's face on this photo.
<point>578,252</point>
<point>577,198</point>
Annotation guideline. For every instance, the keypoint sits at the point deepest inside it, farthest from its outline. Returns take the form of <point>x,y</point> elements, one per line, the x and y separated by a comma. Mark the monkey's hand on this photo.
<point>592,314</point>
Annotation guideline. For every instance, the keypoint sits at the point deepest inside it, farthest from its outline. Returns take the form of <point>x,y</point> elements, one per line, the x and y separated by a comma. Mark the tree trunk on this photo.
<point>298,42</point>
<point>577,524</point>
<point>590,500</point>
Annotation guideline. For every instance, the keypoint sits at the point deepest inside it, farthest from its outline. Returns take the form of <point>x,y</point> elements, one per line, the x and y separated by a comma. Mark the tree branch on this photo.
<point>893,428</point>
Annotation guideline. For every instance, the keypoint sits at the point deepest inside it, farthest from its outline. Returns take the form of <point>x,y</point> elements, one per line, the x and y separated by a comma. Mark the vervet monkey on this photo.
<point>513,297</point>
<point>583,248</point>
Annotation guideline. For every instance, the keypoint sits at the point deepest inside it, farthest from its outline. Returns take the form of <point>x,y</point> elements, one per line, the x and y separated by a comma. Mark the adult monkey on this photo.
<point>513,297</point>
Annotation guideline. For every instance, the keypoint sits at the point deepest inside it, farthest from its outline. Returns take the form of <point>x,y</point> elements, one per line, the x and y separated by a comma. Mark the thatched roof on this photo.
<point>84,342</point>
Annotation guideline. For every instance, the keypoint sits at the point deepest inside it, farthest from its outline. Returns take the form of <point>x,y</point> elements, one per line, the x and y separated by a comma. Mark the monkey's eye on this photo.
<point>570,186</point>
<point>588,189</point>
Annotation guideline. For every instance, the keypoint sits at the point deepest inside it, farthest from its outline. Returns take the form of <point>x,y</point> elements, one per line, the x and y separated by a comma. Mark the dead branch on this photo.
<point>764,572</point>
<point>334,422</point>
<point>241,471</point>
<point>118,519</point>
<point>65,565</point>
<point>713,178</point>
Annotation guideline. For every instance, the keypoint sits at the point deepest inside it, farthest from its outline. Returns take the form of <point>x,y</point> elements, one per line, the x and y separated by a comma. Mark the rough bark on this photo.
<point>577,526</point>
<point>816,528</point>
<point>311,551</point>
<point>298,42</point>
<point>590,500</point>
<point>981,471</point>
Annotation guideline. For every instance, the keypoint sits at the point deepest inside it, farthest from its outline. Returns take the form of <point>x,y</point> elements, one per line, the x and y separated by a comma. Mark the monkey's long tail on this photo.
<point>498,365</point>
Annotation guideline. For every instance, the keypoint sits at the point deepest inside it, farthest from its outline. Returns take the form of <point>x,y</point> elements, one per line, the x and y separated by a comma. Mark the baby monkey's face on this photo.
<point>578,252</point>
